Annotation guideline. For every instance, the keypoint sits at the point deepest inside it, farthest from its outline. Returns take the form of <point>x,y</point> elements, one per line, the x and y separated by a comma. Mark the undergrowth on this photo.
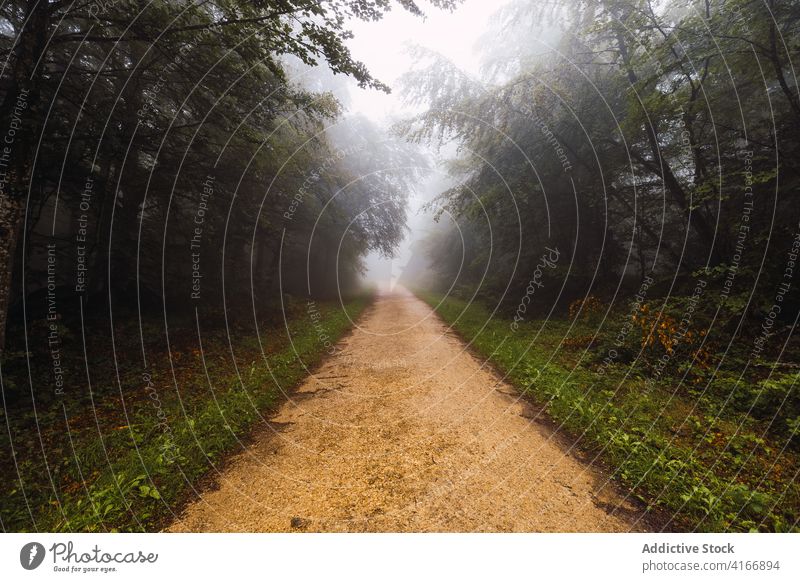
<point>121,449</point>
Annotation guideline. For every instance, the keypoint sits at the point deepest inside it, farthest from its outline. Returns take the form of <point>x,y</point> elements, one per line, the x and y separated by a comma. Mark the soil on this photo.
<point>404,430</point>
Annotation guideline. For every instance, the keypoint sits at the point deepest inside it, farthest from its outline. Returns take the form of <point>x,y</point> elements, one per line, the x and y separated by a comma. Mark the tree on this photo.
<point>105,91</point>
<point>638,136</point>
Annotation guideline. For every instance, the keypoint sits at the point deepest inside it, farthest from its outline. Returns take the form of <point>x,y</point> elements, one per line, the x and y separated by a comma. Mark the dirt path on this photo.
<point>405,431</point>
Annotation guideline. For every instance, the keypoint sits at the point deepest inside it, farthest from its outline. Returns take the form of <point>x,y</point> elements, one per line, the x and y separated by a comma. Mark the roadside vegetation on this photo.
<point>714,448</point>
<point>124,450</point>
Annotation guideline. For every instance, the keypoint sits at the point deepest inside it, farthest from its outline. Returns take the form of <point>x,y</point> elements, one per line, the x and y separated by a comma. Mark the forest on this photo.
<point>191,208</point>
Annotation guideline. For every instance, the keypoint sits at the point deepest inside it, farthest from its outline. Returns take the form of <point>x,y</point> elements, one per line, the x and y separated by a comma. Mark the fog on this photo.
<point>599,197</point>
<point>384,47</point>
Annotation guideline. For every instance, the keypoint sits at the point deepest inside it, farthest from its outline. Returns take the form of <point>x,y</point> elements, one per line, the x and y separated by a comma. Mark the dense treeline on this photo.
<point>156,150</point>
<point>624,209</point>
<point>640,139</point>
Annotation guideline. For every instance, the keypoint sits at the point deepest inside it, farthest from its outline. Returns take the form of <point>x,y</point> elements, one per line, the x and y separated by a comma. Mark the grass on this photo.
<point>125,453</point>
<point>691,453</point>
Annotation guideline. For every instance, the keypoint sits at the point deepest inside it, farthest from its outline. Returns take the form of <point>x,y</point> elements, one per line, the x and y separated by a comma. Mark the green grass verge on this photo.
<point>124,456</point>
<point>705,465</point>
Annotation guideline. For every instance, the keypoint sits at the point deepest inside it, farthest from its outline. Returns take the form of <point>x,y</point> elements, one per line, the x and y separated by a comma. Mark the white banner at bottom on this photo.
<point>374,557</point>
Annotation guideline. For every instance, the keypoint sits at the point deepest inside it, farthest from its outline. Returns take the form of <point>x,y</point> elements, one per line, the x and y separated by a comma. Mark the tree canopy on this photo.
<point>639,137</point>
<point>150,135</point>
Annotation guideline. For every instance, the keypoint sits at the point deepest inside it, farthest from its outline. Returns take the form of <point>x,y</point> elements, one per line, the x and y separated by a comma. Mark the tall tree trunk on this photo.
<point>19,129</point>
<point>123,235</point>
<point>777,65</point>
<point>661,167</point>
<point>11,218</point>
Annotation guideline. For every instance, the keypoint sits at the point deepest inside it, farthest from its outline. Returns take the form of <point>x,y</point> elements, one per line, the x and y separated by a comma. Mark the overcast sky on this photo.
<point>382,46</point>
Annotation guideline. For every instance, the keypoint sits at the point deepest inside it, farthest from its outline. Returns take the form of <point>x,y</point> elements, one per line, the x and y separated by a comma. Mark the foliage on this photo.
<point>133,452</point>
<point>588,308</point>
<point>632,135</point>
<point>156,136</point>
